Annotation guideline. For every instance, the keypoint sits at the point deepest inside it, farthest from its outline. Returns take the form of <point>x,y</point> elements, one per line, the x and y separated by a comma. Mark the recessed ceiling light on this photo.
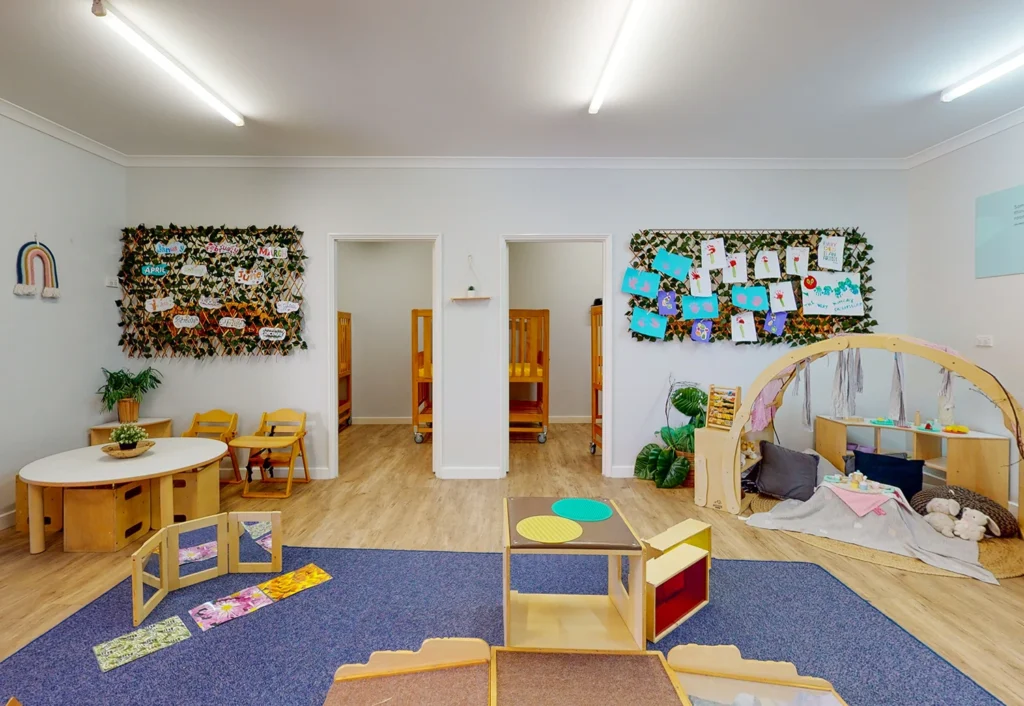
<point>116,22</point>
<point>987,75</point>
<point>629,21</point>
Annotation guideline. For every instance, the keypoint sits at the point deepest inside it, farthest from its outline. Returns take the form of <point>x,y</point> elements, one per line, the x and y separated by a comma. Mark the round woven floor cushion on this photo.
<point>1005,521</point>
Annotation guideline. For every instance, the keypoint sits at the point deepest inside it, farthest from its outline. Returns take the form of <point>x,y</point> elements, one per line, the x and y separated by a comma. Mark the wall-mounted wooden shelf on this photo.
<point>470,299</point>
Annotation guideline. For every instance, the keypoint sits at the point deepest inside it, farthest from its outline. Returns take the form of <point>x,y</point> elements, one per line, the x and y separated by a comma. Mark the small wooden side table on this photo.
<point>158,428</point>
<point>612,622</point>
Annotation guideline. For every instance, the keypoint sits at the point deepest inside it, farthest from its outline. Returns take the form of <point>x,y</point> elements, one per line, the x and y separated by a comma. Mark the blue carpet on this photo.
<point>286,653</point>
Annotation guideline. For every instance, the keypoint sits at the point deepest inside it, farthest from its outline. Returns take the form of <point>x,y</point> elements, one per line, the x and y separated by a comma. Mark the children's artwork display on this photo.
<point>735,270</point>
<point>201,291</point>
<point>793,256</point>
<point>648,324</point>
<point>743,330</point>
<point>700,308</point>
<point>667,303</point>
<point>752,298</point>
<point>781,297</point>
<point>766,265</point>
<point>701,330</point>
<point>832,294</point>
<point>830,252</point>
<point>675,266</point>
<point>642,284</point>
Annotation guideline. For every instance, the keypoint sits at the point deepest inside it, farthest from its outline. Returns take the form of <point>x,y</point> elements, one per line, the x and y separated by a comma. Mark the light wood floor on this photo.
<point>387,497</point>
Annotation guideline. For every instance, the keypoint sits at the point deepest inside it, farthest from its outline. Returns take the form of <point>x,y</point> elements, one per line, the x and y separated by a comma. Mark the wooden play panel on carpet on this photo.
<point>1003,557</point>
<point>533,678</point>
<point>452,686</point>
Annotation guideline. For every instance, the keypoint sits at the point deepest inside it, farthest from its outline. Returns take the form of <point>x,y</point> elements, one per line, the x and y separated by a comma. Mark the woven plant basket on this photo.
<point>127,410</point>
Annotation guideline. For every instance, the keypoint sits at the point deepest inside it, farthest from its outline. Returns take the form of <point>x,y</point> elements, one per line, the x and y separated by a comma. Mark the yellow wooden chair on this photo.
<point>280,430</point>
<point>222,426</point>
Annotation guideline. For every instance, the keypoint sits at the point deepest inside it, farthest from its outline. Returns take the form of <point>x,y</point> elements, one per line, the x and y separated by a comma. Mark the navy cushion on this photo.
<point>900,472</point>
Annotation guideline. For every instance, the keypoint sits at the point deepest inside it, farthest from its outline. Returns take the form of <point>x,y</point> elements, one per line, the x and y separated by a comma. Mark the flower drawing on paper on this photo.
<point>764,259</point>
<point>732,265</point>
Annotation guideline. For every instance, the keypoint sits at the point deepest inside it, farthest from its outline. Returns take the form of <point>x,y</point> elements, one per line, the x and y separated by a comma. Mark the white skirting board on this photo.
<point>622,472</point>
<point>7,519</point>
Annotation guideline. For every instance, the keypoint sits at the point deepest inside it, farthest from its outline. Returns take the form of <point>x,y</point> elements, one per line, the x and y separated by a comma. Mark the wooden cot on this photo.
<point>596,376</point>
<point>344,369</point>
<point>422,373</point>
<point>528,351</point>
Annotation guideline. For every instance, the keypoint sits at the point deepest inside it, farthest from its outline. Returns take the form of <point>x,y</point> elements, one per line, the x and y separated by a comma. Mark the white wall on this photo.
<point>379,283</point>
<point>947,304</point>
<point>564,278</point>
<point>53,349</point>
<point>471,208</point>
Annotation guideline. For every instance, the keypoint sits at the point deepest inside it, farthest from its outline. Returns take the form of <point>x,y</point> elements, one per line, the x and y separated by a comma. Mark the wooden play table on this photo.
<point>89,467</point>
<point>589,622</point>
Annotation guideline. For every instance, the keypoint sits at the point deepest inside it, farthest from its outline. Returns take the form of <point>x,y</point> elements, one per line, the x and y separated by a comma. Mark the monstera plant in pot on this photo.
<point>669,465</point>
<point>124,390</point>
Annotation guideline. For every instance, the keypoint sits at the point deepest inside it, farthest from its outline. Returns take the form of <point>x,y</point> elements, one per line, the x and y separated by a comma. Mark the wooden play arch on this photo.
<point>717,456</point>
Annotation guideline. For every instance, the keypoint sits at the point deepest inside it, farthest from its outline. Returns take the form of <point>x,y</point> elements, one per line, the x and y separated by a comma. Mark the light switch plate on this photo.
<point>984,341</point>
<point>111,282</point>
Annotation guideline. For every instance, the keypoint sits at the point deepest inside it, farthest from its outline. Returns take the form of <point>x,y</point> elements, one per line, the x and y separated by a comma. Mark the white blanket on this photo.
<point>898,531</point>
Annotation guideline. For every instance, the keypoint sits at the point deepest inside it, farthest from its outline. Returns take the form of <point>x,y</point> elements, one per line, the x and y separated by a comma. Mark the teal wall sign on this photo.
<point>154,270</point>
<point>999,233</point>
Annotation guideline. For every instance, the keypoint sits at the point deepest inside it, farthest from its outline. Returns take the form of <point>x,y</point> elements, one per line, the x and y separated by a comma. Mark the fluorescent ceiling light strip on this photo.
<point>137,39</point>
<point>984,76</point>
<point>629,21</point>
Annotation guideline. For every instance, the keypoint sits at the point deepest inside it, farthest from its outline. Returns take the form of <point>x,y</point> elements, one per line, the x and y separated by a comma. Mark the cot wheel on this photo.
<point>542,437</point>
<point>593,448</point>
<point>418,438</point>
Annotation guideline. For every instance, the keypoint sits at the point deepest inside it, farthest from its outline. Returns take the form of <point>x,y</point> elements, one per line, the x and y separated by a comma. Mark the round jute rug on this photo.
<point>1003,557</point>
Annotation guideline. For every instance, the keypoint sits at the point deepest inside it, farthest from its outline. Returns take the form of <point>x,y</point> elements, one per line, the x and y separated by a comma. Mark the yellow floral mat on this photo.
<point>1003,557</point>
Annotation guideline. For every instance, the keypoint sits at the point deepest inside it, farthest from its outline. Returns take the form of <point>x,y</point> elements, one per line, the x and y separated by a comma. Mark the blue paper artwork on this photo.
<point>667,304</point>
<point>675,266</point>
<point>647,323</point>
<point>750,298</point>
<point>644,284</point>
<point>700,308</point>
<point>775,322</point>
<point>701,331</point>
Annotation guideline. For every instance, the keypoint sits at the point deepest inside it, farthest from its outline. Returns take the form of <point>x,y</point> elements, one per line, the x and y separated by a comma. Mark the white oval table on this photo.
<point>89,466</point>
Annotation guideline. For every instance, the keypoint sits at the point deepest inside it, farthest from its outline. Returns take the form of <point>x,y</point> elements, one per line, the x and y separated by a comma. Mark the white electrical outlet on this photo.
<point>984,341</point>
<point>111,282</point>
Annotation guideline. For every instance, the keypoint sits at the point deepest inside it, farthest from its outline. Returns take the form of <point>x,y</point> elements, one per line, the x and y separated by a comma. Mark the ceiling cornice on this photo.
<point>48,127</point>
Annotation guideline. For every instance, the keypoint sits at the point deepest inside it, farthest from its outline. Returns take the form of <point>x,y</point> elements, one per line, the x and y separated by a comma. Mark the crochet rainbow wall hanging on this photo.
<point>29,254</point>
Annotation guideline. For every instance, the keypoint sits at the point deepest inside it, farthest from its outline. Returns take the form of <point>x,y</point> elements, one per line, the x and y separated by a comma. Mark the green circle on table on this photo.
<point>581,509</point>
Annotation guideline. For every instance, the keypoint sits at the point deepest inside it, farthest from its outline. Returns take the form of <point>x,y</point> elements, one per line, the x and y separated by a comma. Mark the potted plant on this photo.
<point>669,466</point>
<point>124,390</point>
<point>127,436</point>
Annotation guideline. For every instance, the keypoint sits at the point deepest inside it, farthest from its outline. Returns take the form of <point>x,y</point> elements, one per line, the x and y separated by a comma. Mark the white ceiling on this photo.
<point>512,78</point>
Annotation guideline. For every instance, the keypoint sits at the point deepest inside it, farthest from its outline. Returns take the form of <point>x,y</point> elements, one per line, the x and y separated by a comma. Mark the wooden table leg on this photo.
<point>166,501</point>
<point>36,521</point>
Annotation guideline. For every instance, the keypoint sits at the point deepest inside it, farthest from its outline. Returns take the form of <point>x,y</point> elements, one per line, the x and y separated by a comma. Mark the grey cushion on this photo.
<point>786,474</point>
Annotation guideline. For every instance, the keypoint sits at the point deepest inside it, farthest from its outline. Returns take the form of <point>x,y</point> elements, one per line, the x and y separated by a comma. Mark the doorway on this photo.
<point>556,365</point>
<point>377,285</point>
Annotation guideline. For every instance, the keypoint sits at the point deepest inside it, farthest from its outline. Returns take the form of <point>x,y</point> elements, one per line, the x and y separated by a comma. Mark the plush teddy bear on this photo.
<point>972,525</point>
<point>942,514</point>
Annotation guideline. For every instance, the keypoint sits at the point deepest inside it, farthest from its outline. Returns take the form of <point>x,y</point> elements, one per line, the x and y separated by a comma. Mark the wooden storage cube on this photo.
<point>678,585</point>
<point>105,519</point>
<point>692,532</point>
<point>196,494</point>
<point>53,508</point>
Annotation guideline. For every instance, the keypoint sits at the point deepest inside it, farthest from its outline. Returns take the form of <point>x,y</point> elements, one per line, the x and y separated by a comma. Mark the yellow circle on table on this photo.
<point>548,529</point>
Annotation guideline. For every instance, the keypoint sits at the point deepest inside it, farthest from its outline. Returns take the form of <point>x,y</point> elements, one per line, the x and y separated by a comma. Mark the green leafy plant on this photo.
<point>665,465</point>
<point>128,434</point>
<point>123,385</point>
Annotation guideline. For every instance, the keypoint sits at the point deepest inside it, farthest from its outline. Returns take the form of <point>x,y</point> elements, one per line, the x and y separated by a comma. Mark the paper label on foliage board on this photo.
<point>232,322</point>
<point>172,248</point>
<point>194,270</point>
<point>209,302</point>
<point>781,296</point>
<point>270,252</point>
<point>743,327</point>
<point>248,277</point>
<point>832,294</point>
<point>149,270</point>
<point>185,321</point>
<point>766,266</point>
<point>223,248</point>
<point>796,260</point>
<point>700,283</point>
<point>712,254</point>
<point>287,307</point>
<point>830,252</point>
<point>272,334</point>
<point>735,270</point>
<point>163,304</point>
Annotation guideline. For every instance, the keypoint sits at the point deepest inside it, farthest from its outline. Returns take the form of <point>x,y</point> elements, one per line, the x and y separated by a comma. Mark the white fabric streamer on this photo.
<point>897,403</point>
<point>807,395</point>
<point>840,388</point>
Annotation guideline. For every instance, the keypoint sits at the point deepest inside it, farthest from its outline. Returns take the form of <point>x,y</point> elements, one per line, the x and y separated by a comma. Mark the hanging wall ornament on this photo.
<point>31,253</point>
<point>897,403</point>
<point>946,404</point>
